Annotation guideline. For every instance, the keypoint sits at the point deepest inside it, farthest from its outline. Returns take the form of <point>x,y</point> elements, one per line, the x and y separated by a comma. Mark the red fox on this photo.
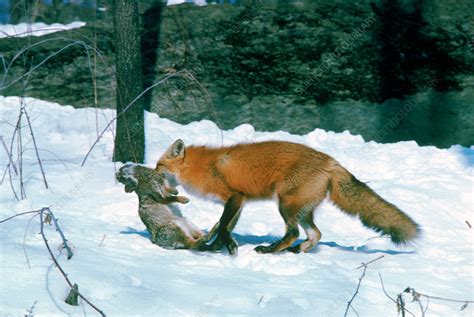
<point>299,177</point>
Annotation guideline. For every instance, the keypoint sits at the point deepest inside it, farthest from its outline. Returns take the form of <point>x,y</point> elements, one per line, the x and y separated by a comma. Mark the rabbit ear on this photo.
<point>176,150</point>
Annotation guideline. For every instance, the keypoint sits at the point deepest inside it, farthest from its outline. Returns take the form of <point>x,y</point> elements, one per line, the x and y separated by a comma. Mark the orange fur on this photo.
<point>300,177</point>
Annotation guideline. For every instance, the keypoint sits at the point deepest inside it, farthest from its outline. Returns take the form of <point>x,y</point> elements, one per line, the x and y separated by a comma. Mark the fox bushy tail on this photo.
<point>356,198</point>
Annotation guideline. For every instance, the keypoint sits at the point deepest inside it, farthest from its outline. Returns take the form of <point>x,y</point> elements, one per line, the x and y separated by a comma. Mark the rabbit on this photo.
<point>167,229</point>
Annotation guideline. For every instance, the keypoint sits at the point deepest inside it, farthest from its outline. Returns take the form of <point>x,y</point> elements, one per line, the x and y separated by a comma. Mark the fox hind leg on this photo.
<point>312,233</point>
<point>312,195</point>
<point>289,214</point>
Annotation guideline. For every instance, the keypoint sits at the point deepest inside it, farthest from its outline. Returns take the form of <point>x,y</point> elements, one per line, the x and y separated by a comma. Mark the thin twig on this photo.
<point>102,241</point>
<point>354,310</point>
<point>58,229</point>
<point>35,146</point>
<point>364,265</point>
<point>412,290</point>
<point>421,307</point>
<point>401,304</point>
<point>20,214</point>
<point>390,297</point>
<point>15,131</point>
<point>39,64</point>
<point>428,304</point>
<point>24,240</point>
<point>58,159</point>
<point>56,263</point>
<point>74,42</point>
<point>349,303</point>
<point>10,179</point>
<point>124,110</point>
<point>372,261</point>
<point>32,308</point>
<point>468,224</point>
<point>10,157</point>
<point>20,158</point>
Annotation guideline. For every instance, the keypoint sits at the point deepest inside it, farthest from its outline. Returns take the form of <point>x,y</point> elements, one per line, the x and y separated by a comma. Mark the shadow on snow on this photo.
<point>257,240</point>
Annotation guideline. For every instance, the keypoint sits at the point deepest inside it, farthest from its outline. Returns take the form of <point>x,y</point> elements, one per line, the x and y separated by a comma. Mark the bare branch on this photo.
<point>401,304</point>
<point>39,64</point>
<point>125,109</point>
<point>33,68</point>
<point>349,303</point>
<point>15,131</point>
<point>47,216</point>
<point>9,155</point>
<point>24,240</point>
<point>20,214</point>
<point>58,229</point>
<point>31,310</point>
<point>370,262</point>
<point>364,265</point>
<point>20,156</point>
<point>42,212</point>
<point>391,298</point>
<point>35,146</point>
<point>418,294</point>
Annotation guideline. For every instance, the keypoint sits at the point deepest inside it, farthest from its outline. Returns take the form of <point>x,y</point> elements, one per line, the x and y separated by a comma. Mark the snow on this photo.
<point>35,29</point>
<point>122,272</point>
<point>40,28</point>
<point>196,2</point>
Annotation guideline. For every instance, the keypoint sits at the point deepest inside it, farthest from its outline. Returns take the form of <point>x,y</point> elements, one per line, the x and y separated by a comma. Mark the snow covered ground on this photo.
<point>122,272</point>
<point>35,29</point>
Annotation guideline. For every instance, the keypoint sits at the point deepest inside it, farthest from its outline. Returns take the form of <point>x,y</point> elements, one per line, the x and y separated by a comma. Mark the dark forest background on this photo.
<point>388,70</point>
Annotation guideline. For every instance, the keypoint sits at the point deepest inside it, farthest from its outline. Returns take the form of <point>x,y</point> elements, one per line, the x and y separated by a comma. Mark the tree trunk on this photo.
<point>130,132</point>
<point>149,45</point>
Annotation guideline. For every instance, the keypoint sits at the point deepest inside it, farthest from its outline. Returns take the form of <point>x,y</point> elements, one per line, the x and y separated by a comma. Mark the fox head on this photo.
<point>172,160</point>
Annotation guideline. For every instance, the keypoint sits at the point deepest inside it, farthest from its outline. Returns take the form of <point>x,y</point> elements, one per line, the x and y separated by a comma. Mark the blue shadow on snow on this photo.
<point>257,240</point>
<point>143,233</point>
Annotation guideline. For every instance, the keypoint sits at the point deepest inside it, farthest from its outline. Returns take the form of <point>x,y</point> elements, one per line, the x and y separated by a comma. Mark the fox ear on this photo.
<point>176,150</point>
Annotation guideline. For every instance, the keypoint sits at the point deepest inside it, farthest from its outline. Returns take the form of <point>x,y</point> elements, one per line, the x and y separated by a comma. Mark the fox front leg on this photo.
<point>229,218</point>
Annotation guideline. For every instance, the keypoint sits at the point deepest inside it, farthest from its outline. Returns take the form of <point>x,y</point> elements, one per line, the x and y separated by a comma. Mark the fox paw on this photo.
<point>232,247</point>
<point>216,246</point>
<point>262,249</point>
<point>295,249</point>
